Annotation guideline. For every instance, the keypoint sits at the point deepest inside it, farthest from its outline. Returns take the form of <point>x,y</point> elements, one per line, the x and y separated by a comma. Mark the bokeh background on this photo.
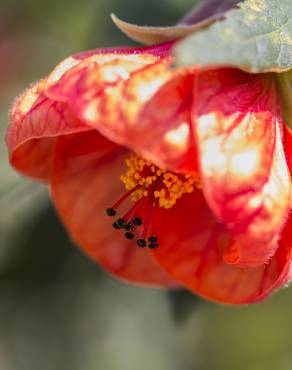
<point>58,310</point>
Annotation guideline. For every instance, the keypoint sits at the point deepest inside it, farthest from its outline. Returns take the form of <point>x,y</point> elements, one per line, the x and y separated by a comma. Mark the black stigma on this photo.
<point>116,225</point>
<point>111,212</point>
<point>153,245</point>
<point>153,239</point>
<point>137,221</point>
<point>141,242</point>
<point>128,226</point>
<point>121,222</point>
<point>129,235</point>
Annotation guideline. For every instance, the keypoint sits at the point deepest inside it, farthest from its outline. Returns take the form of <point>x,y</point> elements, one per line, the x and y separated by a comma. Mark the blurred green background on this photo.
<point>58,310</point>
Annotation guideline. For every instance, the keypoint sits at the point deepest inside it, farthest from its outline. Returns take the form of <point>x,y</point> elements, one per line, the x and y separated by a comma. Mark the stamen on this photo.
<point>131,215</point>
<point>149,187</point>
<point>111,211</point>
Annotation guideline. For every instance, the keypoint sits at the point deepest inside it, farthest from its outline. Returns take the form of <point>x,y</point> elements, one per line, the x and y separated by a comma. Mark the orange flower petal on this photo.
<point>85,181</point>
<point>164,131</point>
<point>243,169</point>
<point>107,91</point>
<point>38,117</point>
<point>288,146</point>
<point>191,247</point>
<point>35,122</point>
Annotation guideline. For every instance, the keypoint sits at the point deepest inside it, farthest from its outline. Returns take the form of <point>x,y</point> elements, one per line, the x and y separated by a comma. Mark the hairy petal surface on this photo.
<point>192,244</point>
<point>85,181</point>
<point>245,179</point>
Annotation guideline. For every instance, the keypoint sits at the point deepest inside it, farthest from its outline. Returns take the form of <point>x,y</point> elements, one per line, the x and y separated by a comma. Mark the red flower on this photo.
<point>202,154</point>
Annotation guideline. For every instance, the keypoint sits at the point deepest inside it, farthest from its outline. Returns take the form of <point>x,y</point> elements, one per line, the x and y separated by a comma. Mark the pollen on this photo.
<point>144,178</point>
<point>148,187</point>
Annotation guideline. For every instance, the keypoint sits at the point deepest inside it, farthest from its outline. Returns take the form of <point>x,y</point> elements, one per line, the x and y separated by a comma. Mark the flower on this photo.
<point>166,177</point>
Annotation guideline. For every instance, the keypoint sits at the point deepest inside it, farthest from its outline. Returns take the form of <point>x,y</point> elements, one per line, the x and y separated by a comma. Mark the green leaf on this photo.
<point>256,37</point>
<point>285,88</point>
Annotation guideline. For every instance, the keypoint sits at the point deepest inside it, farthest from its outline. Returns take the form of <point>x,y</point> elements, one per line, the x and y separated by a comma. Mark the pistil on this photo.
<point>149,187</point>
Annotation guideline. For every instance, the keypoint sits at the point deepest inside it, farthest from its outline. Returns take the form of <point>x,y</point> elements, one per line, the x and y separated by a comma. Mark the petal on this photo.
<point>35,122</point>
<point>245,179</point>
<point>37,119</point>
<point>85,181</point>
<point>160,50</point>
<point>288,146</point>
<point>164,131</point>
<point>107,91</point>
<point>191,245</point>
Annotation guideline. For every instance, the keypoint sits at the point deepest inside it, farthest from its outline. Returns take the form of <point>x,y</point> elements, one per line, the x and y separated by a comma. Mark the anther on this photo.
<point>116,225</point>
<point>142,243</point>
<point>129,235</point>
<point>111,212</point>
<point>137,221</point>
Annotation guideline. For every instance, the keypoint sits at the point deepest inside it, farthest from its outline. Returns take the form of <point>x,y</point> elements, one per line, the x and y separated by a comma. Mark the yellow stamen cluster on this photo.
<point>167,187</point>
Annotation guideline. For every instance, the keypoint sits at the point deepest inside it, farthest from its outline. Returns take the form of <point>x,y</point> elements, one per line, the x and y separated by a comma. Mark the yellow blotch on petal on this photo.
<point>178,137</point>
<point>61,69</point>
<point>91,111</point>
<point>29,98</point>
<point>245,163</point>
